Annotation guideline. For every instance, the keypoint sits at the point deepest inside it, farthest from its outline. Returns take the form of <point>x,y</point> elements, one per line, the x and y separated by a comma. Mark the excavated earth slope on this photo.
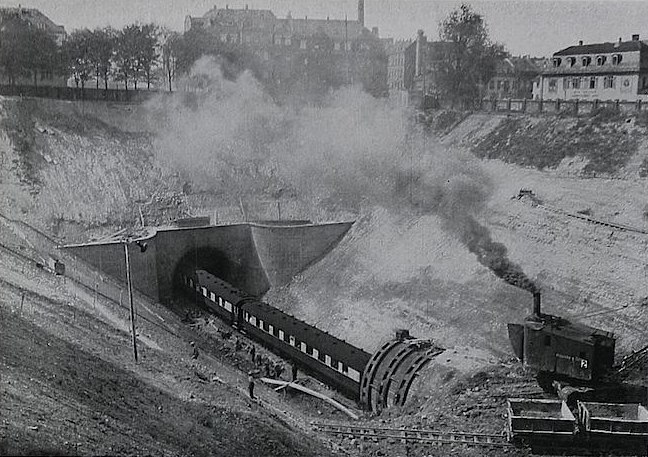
<point>70,168</point>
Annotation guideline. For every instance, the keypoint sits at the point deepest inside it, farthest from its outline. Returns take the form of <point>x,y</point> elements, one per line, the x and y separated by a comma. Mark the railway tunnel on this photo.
<point>251,256</point>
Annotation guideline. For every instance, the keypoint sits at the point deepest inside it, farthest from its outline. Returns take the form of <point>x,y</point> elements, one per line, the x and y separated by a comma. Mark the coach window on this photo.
<point>315,353</point>
<point>291,340</point>
<point>327,360</point>
<point>220,302</point>
<point>261,324</point>
<point>204,291</point>
<point>212,296</point>
<point>271,329</point>
<point>340,367</point>
<point>282,335</point>
<point>303,347</point>
<point>252,320</point>
<point>353,374</point>
<point>228,306</point>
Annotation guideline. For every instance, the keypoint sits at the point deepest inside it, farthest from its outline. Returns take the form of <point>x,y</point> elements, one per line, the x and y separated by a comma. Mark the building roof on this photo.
<point>33,16</point>
<point>603,48</point>
<point>337,29</point>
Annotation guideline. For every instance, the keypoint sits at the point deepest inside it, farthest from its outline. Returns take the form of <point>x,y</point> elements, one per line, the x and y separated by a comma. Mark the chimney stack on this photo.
<point>635,37</point>
<point>536,304</point>
<point>580,42</point>
<point>420,50</point>
<point>361,12</point>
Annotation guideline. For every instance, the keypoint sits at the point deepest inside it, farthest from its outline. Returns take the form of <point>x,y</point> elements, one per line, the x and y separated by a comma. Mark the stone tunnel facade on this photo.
<point>251,256</point>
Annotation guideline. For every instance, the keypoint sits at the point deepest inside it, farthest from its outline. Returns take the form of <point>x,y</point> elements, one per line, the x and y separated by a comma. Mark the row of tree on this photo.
<point>143,53</point>
<point>131,55</point>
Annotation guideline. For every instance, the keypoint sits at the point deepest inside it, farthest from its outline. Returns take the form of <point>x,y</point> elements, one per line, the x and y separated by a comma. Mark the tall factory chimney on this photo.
<point>361,12</point>
<point>420,49</point>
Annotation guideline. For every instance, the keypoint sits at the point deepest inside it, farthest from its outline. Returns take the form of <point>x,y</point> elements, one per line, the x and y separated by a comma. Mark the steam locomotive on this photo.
<point>328,358</point>
<point>560,350</point>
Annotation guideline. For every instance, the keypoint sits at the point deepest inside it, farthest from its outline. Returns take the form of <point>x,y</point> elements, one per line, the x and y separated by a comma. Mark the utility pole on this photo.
<point>130,298</point>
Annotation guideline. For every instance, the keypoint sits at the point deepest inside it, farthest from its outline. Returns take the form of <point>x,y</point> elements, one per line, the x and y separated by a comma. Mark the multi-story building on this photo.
<point>35,18</point>
<point>285,44</point>
<point>514,77</point>
<point>400,64</point>
<point>600,71</point>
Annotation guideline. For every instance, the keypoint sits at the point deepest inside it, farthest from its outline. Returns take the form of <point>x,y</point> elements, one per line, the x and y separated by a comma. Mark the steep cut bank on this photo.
<point>71,166</point>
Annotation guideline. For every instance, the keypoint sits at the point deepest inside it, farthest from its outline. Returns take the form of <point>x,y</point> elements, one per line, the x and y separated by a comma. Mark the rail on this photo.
<point>413,435</point>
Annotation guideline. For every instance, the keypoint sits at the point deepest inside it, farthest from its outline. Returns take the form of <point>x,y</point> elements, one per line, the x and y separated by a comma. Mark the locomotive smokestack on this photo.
<point>536,304</point>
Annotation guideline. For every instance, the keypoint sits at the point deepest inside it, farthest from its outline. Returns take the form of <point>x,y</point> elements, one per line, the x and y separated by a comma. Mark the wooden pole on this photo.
<point>130,298</point>
<point>22,301</point>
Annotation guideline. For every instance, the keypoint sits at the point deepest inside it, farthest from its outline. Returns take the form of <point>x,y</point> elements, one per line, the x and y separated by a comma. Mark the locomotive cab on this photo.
<point>555,347</point>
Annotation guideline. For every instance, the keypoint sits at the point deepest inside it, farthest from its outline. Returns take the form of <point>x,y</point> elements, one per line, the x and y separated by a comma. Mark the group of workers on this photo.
<point>262,363</point>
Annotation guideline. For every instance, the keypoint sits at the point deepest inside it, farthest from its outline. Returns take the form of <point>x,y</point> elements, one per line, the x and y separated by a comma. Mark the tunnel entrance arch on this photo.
<point>205,258</point>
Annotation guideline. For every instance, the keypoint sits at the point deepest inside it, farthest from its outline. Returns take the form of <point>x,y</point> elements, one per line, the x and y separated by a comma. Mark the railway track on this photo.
<point>412,435</point>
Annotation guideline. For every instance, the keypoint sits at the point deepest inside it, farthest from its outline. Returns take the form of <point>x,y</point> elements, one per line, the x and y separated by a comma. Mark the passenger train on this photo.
<point>328,358</point>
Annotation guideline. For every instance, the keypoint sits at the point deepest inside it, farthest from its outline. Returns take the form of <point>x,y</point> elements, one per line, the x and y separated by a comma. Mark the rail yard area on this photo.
<point>70,385</point>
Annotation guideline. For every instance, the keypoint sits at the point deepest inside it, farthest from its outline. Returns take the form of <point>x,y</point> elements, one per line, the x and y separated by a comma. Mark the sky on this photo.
<point>525,27</point>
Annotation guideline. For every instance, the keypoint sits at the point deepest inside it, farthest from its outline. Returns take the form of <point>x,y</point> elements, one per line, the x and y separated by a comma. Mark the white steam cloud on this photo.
<point>351,151</point>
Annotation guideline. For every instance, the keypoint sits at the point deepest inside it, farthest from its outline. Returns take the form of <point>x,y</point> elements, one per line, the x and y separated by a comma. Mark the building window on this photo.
<point>592,82</point>
<point>552,85</point>
<point>557,61</point>
<point>566,83</point>
<point>600,60</point>
<point>571,61</point>
<point>617,59</point>
<point>608,82</point>
<point>576,83</point>
<point>586,61</point>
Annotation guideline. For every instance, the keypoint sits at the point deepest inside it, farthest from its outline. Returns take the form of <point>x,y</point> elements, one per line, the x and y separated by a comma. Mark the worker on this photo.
<point>294,372</point>
<point>195,353</point>
<point>279,368</point>
<point>252,353</point>
<point>251,385</point>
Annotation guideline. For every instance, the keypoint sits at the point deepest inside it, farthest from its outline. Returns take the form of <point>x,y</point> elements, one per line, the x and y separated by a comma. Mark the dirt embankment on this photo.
<point>71,166</point>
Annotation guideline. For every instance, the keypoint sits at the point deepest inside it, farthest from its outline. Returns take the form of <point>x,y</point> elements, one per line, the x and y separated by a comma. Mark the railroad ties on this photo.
<point>421,436</point>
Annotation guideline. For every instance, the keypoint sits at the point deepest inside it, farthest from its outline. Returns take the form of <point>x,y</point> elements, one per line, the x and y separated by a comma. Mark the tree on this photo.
<point>77,56</point>
<point>136,53</point>
<point>472,57</point>
<point>101,51</point>
<point>147,54</point>
<point>170,44</point>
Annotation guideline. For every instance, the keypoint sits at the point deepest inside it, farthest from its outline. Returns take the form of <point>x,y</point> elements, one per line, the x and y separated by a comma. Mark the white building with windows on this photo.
<point>601,71</point>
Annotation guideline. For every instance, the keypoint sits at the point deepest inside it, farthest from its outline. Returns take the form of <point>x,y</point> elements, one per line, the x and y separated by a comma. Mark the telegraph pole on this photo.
<point>130,298</point>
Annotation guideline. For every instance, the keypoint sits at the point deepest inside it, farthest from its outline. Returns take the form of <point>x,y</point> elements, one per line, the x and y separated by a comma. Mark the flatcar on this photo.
<point>328,358</point>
